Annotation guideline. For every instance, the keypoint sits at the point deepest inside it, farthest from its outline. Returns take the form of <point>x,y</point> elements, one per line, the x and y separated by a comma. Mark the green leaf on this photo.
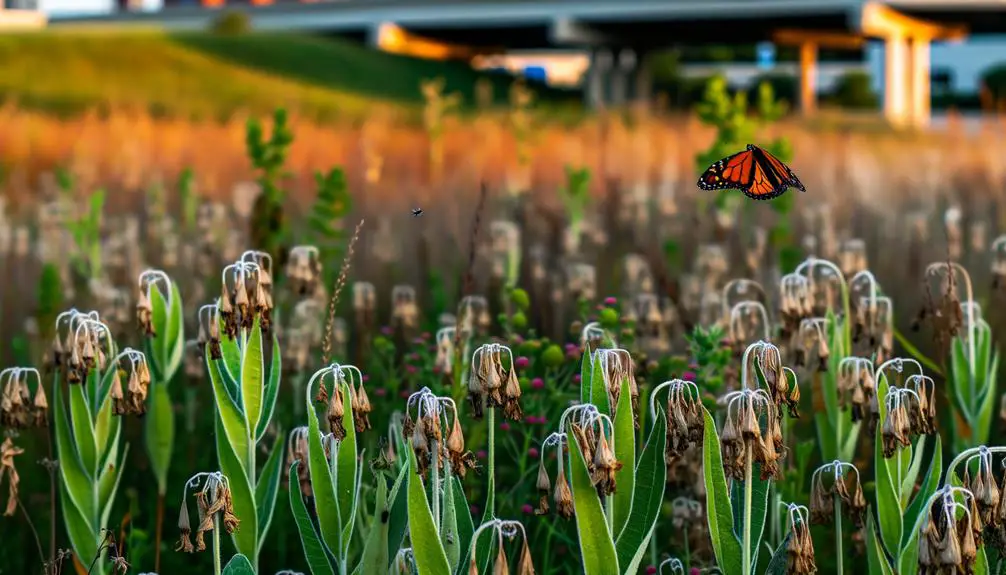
<point>83,428</point>
<point>82,538</point>
<point>399,521</point>
<point>75,479</point>
<point>346,474</point>
<point>759,509</point>
<point>245,538</point>
<point>174,344</point>
<point>325,503</point>
<point>983,422</point>
<point>586,361</point>
<point>314,549</point>
<point>238,565</point>
<point>647,497</point>
<point>598,387</point>
<point>430,556</point>
<point>875,558</point>
<point>231,366</point>
<point>907,484</point>
<point>230,414</point>
<point>466,527</point>
<point>160,433</point>
<point>449,526</point>
<point>109,481</point>
<point>165,349</point>
<point>780,559</point>
<point>625,451</point>
<point>267,488</point>
<point>271,389</point>
<point>154,347</point>
<point>929,486</point>
<point>252,377</point>
<point>719,514</point>
<point>888,497</point>
<point>596,548</point>
<point>375,550</point>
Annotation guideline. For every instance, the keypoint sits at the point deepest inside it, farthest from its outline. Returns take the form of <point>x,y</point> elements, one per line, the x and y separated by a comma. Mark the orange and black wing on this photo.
<point>733,172</point>
<point>771,176</point>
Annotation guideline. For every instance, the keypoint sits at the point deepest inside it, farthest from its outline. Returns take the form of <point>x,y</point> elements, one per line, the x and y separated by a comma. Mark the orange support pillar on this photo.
<point>808,77</point>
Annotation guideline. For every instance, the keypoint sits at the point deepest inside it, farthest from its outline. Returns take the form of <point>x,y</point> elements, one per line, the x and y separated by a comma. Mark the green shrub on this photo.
<point>231,22</point>
<point>853,90</point>
<point>994,80</point>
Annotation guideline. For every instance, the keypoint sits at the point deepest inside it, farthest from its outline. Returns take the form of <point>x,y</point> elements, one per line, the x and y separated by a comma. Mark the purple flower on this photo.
<point>410,368</point>
<point>481,454</point>
<point>527,509</point>
<point>521,362</point>
<point>651,570</point>
<point>542,420</point>
<point>576,378</point>
<point>610,300</point>
<point>572,347</point>
<point>387,330</point>
<point>404,394</point>
<point>413,356</point>
<point>380,392</point>
<point>688,376</point>
<point>505,426</point>
<point>366,377</point>
<point>537,383</point>
<point>694,571</point>
<point>533,453</point>
<point>474,509</point>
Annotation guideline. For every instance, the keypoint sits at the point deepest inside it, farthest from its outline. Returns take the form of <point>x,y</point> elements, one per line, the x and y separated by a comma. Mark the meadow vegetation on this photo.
<point>234,348</point>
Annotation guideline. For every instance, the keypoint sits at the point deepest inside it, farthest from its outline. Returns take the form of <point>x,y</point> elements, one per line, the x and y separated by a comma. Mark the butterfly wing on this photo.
<point>780,171</point>
<point>733,172</point>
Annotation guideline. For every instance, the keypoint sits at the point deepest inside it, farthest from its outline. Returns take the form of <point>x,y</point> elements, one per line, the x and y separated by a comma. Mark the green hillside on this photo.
<point>201,75</point>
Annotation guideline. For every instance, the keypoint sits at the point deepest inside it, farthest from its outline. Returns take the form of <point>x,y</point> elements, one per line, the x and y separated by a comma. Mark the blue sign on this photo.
<point>766,55</point>
<point>535,73</point>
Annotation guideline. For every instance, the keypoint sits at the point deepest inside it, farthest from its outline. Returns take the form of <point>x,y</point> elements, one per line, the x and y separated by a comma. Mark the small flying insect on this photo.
<point>416,212</point>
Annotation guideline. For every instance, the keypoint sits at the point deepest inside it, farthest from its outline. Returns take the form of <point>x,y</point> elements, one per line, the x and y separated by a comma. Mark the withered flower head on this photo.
<point>907,414</point>
<point>616,367</point>
<point>303,270</point>
<point>87,343</point>
<point>943,308</point>
<point>209,331</point>
<point>748,435</point>
<point>594,435</point>
<point>7,453</point>
<point>154,285</point>
<point>297,451</point>
<point>799,545</point>
<point>502,530</point>
<point>436,433</point>
<point>129,366</point>
<point>949,539</point>
<point>685,419</point>
<point>246,294</point>
<point>444,361</point>
<point>493,382</point>
<point>213,500</point>
<point>795,303</point>
<point>835,485</point>
<point>404,308</point>
<point>856,387</point>
<point>18,410</point>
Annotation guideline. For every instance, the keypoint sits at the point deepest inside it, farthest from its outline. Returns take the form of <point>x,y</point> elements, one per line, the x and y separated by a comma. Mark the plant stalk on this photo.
<point>435,487</point>
<point>748,496</point>
<point>158,532</point>
<point>838,536</point>
<point>492,460</point>
<point>216,544</point>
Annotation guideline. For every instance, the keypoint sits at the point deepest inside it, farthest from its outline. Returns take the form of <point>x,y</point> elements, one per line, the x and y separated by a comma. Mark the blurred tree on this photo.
<point>854,90</point>
<point>231,22</point>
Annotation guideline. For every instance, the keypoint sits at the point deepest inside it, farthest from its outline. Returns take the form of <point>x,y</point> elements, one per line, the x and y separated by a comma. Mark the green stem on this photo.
<point>838,536</point>
<point>216,544</point>
<point>435,487</point>
<point>746,551</point>
<point>492,460</point>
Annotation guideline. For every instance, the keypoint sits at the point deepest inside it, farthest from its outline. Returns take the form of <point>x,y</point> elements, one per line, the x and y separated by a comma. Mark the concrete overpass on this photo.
<point>619,33</point>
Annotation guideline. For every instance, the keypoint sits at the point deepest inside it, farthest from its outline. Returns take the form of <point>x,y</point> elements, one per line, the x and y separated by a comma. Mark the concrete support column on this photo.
<point>597,78</point>
<point>808,77</point>
<point>919,82</point>
<point>620,75</point>
<point>895,76</point>
<point>644,81</point>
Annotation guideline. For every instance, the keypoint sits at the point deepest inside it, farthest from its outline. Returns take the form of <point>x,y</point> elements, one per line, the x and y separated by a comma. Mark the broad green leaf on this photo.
<point>449,525</point>
<point>174,345</point>
<point>780,559</point>
<point>888,497</point>
<point>83,428</point>
<point>596,548</point>
<point>598,387</point>
<point>399,520</point>
<point>314,549</point>
<point>271,389</point>
<point>245,538</point>
<point>160,433</point>
<point>875,558</point>
<point>908,561</point>
<point>960,373</point>
<point>929,486</point>
<point>109,481</point>
<point>647,497</point>
<point>719,514</point>
<point>983,422</point>
<point>238,565</point>
<point>909,477</point>
<point>76,480</point>
<point>759,509</point>
<point>375,550</point>
<point>430,556</point>
<point>83,539</point>
<point>231,417</point>
<point>586,361</point>
<point>106,426</point>
<point>155,346</point>
<point>325,503</point>
<point>231,360</point>
<point>267,488</point>
<point>346,464</point>
<point>466,527</point>
<point>625,452</point>
<point>252,377</point>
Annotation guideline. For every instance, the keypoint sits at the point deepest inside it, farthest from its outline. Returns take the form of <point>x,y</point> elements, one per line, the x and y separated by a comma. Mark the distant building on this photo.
<point>955,67</point>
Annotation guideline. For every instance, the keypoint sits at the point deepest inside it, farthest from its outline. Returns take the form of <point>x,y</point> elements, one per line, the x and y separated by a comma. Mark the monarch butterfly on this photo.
<point>757,173</point>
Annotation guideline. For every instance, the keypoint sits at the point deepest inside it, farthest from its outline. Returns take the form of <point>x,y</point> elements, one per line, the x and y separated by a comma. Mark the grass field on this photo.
<point>204,76</point>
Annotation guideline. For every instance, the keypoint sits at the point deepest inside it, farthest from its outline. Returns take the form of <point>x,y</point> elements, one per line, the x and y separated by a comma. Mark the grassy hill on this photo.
<point>201,75</point>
